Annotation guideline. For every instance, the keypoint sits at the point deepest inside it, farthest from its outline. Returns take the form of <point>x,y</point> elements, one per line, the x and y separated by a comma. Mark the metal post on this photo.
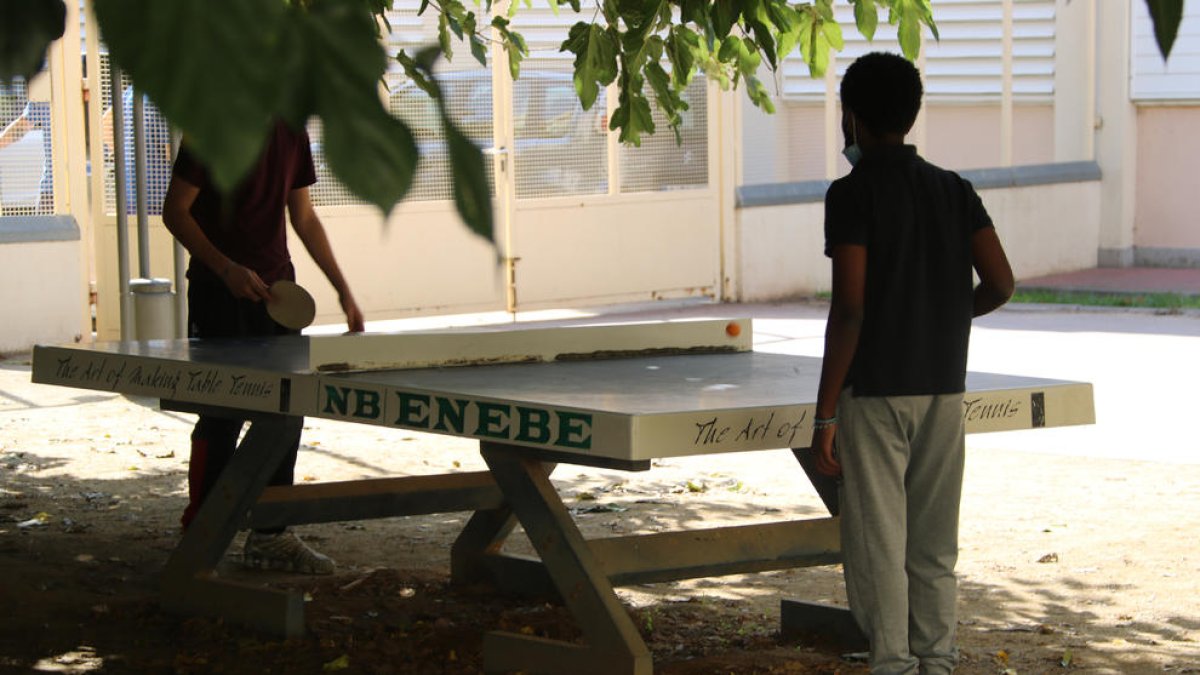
<point>118,116</point>
<point>139,183</point>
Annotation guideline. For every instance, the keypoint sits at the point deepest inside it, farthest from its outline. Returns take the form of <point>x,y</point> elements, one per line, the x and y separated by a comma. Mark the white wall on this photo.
<point>1045,229</point>
<point>782,252</point>
<point>1165,215</point>
<point>40,293</point>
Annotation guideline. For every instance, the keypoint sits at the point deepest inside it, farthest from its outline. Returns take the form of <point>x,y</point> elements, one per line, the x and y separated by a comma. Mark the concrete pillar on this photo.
<point>1075,81</point>
<point>1116,135</point>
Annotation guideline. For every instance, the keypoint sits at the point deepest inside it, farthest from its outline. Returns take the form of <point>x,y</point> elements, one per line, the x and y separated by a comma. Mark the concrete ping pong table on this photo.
<point>613,396</point>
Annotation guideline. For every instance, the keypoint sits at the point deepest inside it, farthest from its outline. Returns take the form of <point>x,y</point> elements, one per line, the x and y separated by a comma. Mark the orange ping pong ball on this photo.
<point>733,329</point>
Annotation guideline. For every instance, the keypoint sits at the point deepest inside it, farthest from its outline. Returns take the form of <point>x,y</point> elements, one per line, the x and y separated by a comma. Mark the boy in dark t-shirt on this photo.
<point>904,236</point>
<point>238,246</point>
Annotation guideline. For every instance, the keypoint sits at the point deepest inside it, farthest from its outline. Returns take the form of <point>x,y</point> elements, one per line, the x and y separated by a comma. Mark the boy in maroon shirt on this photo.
<point>238,246</point>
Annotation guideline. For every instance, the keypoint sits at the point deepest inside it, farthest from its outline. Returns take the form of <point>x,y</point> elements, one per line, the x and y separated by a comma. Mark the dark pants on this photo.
<point>213,314</point>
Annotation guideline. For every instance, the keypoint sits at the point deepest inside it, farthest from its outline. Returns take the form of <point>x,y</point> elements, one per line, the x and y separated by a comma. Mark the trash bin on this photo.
<point>153,309</point>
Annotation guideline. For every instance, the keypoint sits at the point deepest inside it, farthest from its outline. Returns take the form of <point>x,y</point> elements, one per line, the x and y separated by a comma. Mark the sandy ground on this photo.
<point>1078,545</point>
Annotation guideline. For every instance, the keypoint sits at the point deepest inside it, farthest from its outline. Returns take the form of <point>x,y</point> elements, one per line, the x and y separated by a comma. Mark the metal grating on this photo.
<point>663,164</point>
<point>26,155</point>
<point>560,149</point>
<point>158,148</point>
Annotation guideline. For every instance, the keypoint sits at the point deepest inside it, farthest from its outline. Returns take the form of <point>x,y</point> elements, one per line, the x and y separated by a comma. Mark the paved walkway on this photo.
<point>1120,280</point>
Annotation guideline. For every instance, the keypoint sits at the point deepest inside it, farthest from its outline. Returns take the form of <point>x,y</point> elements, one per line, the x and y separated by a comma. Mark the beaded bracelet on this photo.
<point>824,422</point>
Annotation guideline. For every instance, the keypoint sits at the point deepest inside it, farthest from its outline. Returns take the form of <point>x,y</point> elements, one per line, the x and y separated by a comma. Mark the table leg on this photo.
<point>190,585</point>
<point>483,535</point>
<point>477,557</point>
<point>613,645</point>
<point>798,617</point>
<point>826,486</point>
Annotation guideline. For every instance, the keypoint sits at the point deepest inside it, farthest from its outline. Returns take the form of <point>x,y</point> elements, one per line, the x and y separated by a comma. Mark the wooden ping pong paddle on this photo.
<point>290,305</point>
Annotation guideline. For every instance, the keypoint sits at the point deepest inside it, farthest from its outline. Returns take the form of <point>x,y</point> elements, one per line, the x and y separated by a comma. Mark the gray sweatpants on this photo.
<point>902,465</point>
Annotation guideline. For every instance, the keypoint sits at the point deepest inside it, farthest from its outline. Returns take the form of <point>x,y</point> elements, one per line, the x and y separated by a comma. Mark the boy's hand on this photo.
<point>822,447</point>
<point>354,315</point>
<point>244,282</point>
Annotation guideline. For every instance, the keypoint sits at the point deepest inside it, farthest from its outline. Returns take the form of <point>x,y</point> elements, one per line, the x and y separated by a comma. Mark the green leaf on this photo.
<point>692,11</point>
<point>909,33</point>
<point>479,48</point>
<point>371,152</point>
<point>1166,16</point>
<point>637,119</point>
<point>444,35</point>
<point>814,45</point>
<point>595,52</point>
<point>741,54</point>
<point>516,50</point>
<point>789,35</point>
<point>682,46</point>
<point>215,75</point>
<point>668,99</point>
<point>27,27</point>
<point>724,13</point>
<point>759,95</point>
<point>471,196</point>
<point>866,17</point>
<point>415,69</point>
<point>514,45</point>
<point>909,15</point>
<point>833,33</point>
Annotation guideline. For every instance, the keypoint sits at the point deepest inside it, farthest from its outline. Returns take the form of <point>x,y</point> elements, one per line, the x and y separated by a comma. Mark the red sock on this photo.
<point>196,466</point>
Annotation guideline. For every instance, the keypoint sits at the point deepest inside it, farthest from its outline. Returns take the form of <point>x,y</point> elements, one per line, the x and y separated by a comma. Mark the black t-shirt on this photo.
<point>916,221</point>
<point>249,224</point>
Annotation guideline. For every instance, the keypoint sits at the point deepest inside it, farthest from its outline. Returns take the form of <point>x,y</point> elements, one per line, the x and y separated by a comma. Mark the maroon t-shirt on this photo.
<point>249,224</point>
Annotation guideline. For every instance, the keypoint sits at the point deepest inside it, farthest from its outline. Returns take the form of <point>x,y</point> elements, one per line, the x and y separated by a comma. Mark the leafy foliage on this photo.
<point>222,70</point>
<point>27,27</point>
<point>1166,15</point>
<point>223,75</point>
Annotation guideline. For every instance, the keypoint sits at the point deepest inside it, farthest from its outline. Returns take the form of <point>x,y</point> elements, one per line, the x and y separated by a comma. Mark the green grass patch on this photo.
<point>1094,299</point>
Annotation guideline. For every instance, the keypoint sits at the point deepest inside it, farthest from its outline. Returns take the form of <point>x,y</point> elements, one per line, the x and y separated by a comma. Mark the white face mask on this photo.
<point>852,152</point>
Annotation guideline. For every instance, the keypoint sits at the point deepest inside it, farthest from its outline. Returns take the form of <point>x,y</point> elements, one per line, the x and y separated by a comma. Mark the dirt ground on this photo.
<point>1067,564</point>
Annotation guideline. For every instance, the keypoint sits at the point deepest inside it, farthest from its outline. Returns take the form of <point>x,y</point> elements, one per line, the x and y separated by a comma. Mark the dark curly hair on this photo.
<point>884,91</point>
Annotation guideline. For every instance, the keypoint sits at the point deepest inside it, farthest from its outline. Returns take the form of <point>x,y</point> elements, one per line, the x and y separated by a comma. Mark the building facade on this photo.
<point>1062,114</point>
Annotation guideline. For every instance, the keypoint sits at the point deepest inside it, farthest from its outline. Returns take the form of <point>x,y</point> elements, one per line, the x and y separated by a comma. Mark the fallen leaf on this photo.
<point>585,497</point>
<point>1049,558</point>
<point>600,508</point>
<point>1066,659</point>
<point>38,520</point>
<point>340,663</point>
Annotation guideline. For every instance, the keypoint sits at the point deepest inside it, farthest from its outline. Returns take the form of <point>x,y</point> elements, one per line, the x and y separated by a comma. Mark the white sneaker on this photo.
<point>285,552</point>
